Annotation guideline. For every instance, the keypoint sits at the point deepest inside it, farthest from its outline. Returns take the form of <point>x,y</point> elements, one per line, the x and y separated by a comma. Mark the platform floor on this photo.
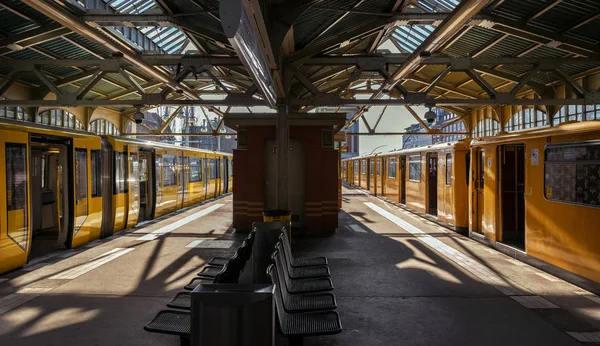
<point>399,280</point>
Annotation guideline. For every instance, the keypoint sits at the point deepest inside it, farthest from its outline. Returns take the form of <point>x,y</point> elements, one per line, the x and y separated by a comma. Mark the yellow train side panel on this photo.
<point>15,236</point>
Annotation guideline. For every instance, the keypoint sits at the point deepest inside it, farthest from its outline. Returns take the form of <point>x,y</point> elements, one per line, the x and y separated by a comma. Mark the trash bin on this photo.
<point>267,235</point>
<point>277,215</point>
<point>232,315</point>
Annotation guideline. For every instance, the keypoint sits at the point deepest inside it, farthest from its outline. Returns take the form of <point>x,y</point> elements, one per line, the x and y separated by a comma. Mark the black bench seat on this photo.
<point>299,261</point>
<point>296,326</point>
<point>172,322</point>
<point>197,281</point>
<point>301,302</point>
<point>302,272</point>
<point>210,271</point>
<point>295,286</point>
<point>183,300</point>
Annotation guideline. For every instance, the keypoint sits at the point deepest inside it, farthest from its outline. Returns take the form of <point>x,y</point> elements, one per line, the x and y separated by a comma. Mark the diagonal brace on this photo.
<point>93,80</point>
<point>476,77</point>
<point>47,81</point>
<point>565,78</point>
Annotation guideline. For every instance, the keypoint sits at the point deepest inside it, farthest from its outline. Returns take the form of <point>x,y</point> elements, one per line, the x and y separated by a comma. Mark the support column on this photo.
<point>283,143</point>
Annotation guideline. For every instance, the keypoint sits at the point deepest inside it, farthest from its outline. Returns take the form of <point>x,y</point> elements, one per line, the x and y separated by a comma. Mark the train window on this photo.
<point>218,168</point>
<point>378,167</point>
<point>371,167</point>
<point>363,167</point>
<point>158,169</point>
<point>230,162</point>
<point>482,170</point>
<point>16,193</point>
<point>448,169</point>
<point>572,173</point>
<point>81,177</point>
<point>195,169</point>
<point>120,173</point>
<point>96,166</point>
<point>392,167</point>
<point>168,170</point>
<point>43,164</point>
<point>414,168</point>
<point>211,169</point>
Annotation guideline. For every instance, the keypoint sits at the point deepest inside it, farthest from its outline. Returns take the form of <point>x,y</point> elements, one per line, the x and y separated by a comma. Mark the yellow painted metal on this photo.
<point>559,233</point>
<point>15,235</point>
<point>88,211</point>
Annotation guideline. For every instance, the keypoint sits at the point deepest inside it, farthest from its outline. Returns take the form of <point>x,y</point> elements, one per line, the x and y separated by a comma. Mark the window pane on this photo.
<point>96,164</point>
<point>414,168</point>
<point>81,188</point>
<point>16,193</point>
<point>168,169</point>
<point>195,170</point>
<point>448,169</point>
<point>120,172</point>
<point>573,173</point>
<point>378,167</point>
<point>392,167</point>
<point>363,168</point>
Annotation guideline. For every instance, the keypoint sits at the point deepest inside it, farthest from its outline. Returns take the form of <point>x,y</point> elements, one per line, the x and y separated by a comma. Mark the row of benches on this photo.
<point>303,305</point>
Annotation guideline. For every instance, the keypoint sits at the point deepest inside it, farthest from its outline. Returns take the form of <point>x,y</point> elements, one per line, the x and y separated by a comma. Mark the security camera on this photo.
<point>430,116</point>
<point>138,117</point>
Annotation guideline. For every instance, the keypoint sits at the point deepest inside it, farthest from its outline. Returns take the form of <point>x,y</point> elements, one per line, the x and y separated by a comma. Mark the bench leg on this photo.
<point>184,341</point>
<point>296,341</point>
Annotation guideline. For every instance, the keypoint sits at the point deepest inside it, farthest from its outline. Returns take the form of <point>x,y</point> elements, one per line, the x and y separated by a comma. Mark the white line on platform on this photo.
<point>210,244</point>
<point>586,336</point>
<point>548,277</point>
<point>534,302</point>
<point>155,234</point>
<point>96,262</point>
<point>356,228</point>
<point>16,299</point>
<point>469,264</point>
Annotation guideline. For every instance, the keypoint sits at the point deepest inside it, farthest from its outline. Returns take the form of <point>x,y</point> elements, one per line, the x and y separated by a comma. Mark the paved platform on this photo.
<point>399,280</point>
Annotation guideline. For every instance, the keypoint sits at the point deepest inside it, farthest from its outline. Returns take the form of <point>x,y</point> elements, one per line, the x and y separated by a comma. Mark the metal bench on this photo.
<point>172,322</point>
<point>301,302</point>
<point>302,272</point>
<point>297,326</point>
<point>295,286</point>
<point>299,261</point>
<point>220,261</point>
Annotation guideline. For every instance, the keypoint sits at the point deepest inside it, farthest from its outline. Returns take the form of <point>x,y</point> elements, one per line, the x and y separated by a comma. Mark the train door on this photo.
<point>479,184</point>
<point>432,183</point>
<point>180,167</point>
<point>226,175</point>
<point>16,229</point>
<point>403,179</point>
<point>133,180</point>
<point>52,192</point>
<point>512,186</point>
<point>146,188</point>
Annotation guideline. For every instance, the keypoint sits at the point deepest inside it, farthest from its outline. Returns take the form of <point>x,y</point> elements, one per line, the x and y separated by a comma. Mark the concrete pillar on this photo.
<point>282,138</point>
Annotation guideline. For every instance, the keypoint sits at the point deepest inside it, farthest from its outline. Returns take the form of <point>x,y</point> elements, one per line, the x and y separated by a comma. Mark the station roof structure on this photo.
<point>460,55</point>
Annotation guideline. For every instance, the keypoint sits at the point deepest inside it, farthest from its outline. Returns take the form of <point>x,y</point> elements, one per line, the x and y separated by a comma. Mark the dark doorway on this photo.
<point>146,187</point>
<point>432,183</point>
<point>512,171</point>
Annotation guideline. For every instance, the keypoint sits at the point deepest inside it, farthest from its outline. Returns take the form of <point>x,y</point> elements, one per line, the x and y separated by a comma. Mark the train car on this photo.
<point>538,191</point>
<point>65,188</point>
<point>399,177</point>
<point>52,187</point>
<point>150,179</point>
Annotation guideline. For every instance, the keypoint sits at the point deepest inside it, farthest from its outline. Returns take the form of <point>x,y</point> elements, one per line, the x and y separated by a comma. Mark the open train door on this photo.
<point>16,229</point>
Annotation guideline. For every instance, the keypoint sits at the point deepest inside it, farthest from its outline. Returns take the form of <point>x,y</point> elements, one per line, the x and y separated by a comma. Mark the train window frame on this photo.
<point>119,188</point>
<point>577,162</point>
<point>96,164</point>
<point>169,169</point>
<point>21,170</point>
<point>195,166</point>
<point>392,168</point>
<point>448,169</point>
<point>363,167</point>
<point>81,192</point>
<point>416,160</point>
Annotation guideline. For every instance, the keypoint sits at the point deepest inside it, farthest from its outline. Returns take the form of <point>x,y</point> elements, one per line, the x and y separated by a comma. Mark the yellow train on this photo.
<point>533,192</point>
<point>65,188</point>
<point>431,179</point>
